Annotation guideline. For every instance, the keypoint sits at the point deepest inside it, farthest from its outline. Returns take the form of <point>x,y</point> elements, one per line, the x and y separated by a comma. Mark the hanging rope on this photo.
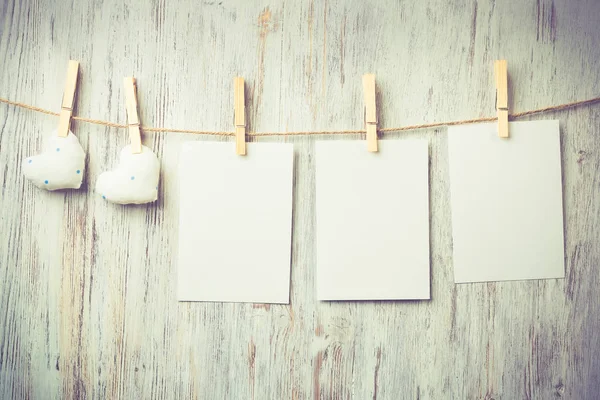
<point>299,133</point>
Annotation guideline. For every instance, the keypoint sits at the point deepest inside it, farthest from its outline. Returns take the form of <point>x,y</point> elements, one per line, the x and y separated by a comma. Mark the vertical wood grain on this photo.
<point>87,288</point>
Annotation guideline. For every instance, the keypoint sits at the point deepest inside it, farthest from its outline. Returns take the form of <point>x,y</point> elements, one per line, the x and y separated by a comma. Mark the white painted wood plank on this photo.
<point>87,292</point>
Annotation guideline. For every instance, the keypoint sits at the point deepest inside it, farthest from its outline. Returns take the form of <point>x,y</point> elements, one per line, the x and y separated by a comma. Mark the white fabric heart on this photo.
<point>134,181</point>
<point>60,164</point>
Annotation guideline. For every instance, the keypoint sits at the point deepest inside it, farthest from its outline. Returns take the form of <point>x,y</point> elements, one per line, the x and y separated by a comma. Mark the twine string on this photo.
<point>299,133</point>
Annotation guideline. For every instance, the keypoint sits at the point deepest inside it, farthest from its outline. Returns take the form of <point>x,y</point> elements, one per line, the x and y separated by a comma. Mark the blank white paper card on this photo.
<point>372,220</point>
<point>235,222</point>
<point>506,200</point>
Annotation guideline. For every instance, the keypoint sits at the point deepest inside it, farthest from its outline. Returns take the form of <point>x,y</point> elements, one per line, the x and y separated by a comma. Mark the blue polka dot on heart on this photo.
<point>78,171</point>
<point>133,177</point>
<point>46,181</point>
<point>58,149</point>
<point>30,161</point>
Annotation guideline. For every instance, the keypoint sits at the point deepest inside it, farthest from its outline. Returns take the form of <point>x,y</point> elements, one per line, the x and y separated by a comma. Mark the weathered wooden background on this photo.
<point>87,288</point>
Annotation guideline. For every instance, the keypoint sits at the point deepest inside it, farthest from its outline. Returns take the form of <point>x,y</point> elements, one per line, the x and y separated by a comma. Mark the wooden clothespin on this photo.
<point>66,111</point>
<point>501,72</point>
<point>239,104</point>
<point>370,111</point>
<point>133,119</point>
